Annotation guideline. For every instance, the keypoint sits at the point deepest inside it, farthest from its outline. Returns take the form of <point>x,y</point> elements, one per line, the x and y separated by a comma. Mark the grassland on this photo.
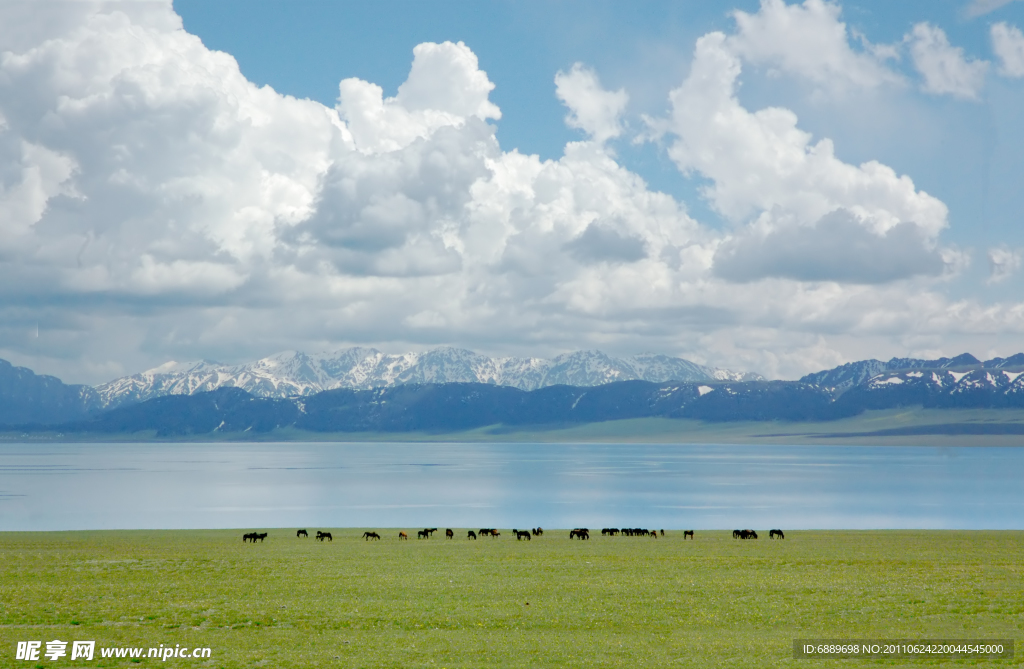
<point>609,602</point>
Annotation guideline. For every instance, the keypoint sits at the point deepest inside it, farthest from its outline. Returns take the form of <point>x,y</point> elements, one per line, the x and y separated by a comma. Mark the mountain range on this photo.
<point>420,395</point>
<point>297,374</point>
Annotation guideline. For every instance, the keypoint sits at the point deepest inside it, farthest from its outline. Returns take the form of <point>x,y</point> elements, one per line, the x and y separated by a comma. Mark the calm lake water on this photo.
<point>126,486</point>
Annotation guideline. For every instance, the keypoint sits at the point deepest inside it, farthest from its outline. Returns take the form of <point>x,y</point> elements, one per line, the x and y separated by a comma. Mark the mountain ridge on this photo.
<point>297,374</point>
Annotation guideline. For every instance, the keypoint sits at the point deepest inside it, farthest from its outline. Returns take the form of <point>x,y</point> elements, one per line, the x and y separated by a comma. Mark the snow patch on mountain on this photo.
<point>297,374</point>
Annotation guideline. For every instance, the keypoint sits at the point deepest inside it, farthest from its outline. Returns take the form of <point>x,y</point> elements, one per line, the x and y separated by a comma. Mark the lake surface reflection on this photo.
<point>126,486</point>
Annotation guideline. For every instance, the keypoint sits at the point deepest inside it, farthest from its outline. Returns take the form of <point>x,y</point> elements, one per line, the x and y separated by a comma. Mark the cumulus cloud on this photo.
<point>763,162</point>
<point>838,247</point>
<point>945,69</point>
<point>809,41</point>
<point>155,204</point>
<point>1008,43</point>
<point>592,109</point>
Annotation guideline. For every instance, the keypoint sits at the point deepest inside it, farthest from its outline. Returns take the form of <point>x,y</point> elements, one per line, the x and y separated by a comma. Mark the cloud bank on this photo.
<point>156,204</point>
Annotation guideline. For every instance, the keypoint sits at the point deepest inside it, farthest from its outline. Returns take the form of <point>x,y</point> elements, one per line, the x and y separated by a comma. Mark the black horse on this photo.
<point>423,534</point>
<point>302,533</point>
<point>687,533</point>
<point>324,535</point>
<point>471,535</point>
<point>449,534</point>
<point>521,535</point>
<point>776,533</point>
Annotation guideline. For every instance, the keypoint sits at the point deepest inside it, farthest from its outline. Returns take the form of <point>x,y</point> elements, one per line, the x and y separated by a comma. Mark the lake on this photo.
<point>324,485</point>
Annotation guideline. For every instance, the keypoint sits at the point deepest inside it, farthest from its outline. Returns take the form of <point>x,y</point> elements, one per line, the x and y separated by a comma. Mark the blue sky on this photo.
<point>821,182</point>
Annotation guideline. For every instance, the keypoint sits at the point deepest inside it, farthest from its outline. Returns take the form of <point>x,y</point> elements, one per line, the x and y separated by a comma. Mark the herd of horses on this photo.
<point>636,532</point>
<point>581,533</point>
<point>751,534</point>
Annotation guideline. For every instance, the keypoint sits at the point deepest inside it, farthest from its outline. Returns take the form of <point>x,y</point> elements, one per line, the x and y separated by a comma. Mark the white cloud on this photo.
<point>809,41</point>
<point>944,67</point>
<point>1008,43</point>
<point>981,7</point>
<point>592,109</point>
<point>1003,262</point>
<point>155,204</point>
<point>762,162</point>
<point>444,88</point>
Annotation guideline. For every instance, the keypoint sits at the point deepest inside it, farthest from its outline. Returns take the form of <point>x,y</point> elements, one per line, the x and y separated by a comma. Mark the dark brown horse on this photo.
<point>423,534</point>
<point>302,533</point>
<point>371,535</point>
<point>521,535</point>
<point>449,534</point>
<point>688,533</point>
<point>776,533</point>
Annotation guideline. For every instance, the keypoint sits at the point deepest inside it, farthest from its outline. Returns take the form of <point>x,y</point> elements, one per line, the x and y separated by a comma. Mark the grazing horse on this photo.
<point>448,534</point>
<point>423,534</point>
<point>495,533</point>
<point>302,533</point>
<point>371,535</point>
<point>776,533</point>
<point>688,533</point>
<point>537,531</point>
<point>663,533</point>
<point>521,535</point>
<point>580,532</point>
<point>736,534</point>
<point>324,535</point>
<point>403,535</point>
<point>747,534</point>
<point>471,535</point>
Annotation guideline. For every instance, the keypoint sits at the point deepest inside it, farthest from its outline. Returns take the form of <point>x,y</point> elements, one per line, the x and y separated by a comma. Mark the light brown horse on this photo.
<point>403,535</point>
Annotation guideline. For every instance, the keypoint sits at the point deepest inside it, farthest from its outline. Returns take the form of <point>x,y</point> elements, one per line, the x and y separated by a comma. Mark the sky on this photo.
<point>766,186</point>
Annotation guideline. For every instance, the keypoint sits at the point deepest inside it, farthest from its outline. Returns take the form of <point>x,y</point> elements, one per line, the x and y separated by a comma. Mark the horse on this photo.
<point>403,535</point>
<point>537,531</point>
<point>324,535</point>
<point>448,534</point>
<point>776,533</point>
<point>663,533</point>
<point>471,535</point>
<point>688,533</point>
<point>495,533</point>
<point>249,536</point>
<point>302,533</point>
<point>580,532</point>
<point>747,534</point>
<point>261,537</point>
<point>423,534</point>
<point>484,530</point>
<point>522,535</point>
<point>369,535</point>
<point>431,530</point>
<point>736,534</point>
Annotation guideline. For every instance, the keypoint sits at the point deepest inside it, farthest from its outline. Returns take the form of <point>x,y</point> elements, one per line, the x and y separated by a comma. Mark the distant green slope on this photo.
<point>916,426</point>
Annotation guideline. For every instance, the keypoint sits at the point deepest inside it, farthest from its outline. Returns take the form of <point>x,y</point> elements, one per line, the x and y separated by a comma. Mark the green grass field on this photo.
<point>609,602</point>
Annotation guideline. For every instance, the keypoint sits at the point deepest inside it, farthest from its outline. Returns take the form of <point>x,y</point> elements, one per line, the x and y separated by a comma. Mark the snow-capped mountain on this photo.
<point>855,373</point>
<point>292,373</point>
